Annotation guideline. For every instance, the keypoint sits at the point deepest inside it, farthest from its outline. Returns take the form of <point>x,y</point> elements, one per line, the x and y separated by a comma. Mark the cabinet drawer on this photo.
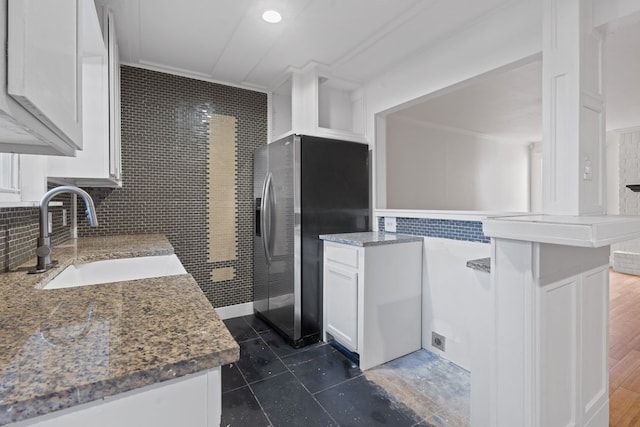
<point>342,254</point>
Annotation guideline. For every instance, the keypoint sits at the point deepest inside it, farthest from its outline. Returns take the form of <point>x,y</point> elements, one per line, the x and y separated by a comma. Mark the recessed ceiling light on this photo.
<point>272,17</point>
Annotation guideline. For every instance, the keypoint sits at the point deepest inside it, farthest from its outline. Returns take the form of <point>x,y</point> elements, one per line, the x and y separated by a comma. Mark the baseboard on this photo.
<point>601,417</point>
<point>237,310</point>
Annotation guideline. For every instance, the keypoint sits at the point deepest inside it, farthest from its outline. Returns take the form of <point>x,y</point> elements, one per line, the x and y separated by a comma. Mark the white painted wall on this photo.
<point>511,34</point>
<point>612,173</point>
<point>457,302</point>
<point>334,108</point>
<point>456,299</point>
<point>436,168</point>
<point>535,177</point>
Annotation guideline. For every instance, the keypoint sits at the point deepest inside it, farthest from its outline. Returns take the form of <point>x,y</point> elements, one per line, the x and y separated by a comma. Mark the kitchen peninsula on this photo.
<point>550,314</point>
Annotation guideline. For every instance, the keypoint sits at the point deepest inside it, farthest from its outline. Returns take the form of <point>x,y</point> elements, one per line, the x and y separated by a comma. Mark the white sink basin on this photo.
<point>117,270</point>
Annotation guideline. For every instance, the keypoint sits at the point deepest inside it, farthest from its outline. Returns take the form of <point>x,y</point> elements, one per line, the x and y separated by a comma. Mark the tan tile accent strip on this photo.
<point>222,218</point>
<point>222,274</point>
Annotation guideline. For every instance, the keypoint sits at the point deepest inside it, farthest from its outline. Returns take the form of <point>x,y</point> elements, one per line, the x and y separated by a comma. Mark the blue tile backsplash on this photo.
<point>470,231</point>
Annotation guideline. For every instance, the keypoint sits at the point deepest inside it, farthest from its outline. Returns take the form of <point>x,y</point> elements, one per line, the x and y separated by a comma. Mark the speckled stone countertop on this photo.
<point>482,264</point>
<point>64,347</point>
<point>370,238</point>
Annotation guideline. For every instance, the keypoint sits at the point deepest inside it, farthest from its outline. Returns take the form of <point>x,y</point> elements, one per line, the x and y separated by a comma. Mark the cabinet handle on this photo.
<point>342,273</point>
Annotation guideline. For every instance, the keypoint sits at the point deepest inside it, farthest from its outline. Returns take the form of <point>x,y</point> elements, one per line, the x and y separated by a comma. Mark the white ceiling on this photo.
<point>505,105</point>
<point>226,41</point>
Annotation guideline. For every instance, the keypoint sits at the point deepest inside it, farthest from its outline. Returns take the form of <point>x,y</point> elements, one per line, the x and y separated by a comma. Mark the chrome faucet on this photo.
<point>43,251</point>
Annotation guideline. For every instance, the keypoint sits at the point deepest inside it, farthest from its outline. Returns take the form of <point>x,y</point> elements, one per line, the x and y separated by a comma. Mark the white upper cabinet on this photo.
<point>44,69</point>
<point>115,159</point>
<point>41,73</point>
<point>98,164</point>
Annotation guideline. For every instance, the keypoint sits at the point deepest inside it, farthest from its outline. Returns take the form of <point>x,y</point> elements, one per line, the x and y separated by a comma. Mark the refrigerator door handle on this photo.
<point>263,214</point>
<point>266,218</point>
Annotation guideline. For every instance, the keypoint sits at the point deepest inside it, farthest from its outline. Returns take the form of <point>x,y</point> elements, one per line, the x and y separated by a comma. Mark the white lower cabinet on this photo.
<point>193,401</point>
<point>372,299</point>
<point>341,290</point>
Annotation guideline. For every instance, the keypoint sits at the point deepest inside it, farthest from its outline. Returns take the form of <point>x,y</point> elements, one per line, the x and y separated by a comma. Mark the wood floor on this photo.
<point>624,350</point>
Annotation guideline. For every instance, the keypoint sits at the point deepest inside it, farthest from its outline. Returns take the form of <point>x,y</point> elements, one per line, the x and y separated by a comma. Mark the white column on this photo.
<point>550,283</point>
<point>573,110</point>
<point>550,350</point>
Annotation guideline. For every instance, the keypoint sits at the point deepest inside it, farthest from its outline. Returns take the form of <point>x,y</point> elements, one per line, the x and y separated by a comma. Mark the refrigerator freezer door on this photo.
<point>260,267</point>
<point>303,186</point>
<point>282,271</point>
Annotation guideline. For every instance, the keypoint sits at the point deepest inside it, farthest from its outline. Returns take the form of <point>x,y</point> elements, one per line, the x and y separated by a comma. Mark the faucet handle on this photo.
<point>43,251</point>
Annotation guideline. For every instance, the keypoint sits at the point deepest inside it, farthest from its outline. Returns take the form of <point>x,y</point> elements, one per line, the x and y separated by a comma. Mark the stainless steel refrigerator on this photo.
<point>304,186</point>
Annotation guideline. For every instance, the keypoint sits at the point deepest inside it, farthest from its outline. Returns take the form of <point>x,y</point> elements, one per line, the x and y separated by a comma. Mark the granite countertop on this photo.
<point>65,347</point>
<point>370,238</point>
<point>481,264</point>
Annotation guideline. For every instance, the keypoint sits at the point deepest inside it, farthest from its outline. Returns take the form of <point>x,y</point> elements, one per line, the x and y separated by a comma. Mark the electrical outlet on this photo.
<point>588,173</point>
<point>437,341</point>
<point>64,217</point>
<point>50,222</point>
<point>390,224</point>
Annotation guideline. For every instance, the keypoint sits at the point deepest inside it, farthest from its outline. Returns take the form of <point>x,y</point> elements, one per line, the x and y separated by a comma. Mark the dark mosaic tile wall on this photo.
<point>19,229</point>
<point>164,163</point>
<point>470,231</point>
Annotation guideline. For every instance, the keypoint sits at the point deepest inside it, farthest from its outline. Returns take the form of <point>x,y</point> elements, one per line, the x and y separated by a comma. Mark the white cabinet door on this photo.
<point>193,401</point>
<point>341,305</point>
<point>115,163</point>
<point>98,164</point>
<point>44,65</point>
<point>373,299</point>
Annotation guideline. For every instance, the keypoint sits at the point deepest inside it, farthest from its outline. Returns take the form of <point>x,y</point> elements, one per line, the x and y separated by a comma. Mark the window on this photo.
<point>9,177</point>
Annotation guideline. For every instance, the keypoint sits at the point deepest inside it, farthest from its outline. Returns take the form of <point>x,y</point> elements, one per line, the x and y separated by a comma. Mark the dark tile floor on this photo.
<point>276,385</point>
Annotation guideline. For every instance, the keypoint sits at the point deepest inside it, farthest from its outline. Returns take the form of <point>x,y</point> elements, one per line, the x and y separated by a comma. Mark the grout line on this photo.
<point>249,385</point>
<point>287,369</point>
<point>252,394</point>
<point>260,405</point>
<point>304,386</point>
<point>340,383</point>
<point>281,359</point>
<point>268,378</point>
